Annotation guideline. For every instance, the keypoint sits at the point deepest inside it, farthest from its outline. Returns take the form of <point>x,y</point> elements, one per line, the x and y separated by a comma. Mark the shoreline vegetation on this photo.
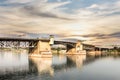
<point>114,51</point>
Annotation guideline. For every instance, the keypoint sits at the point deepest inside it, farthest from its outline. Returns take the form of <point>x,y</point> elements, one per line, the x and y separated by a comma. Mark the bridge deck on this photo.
<point>32,39</point>
<point>21,39</point>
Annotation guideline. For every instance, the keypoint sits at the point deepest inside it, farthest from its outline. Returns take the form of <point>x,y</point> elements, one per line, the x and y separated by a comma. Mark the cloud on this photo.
<point>22,1</point>
<point>47,10</point>
<point>94,23</point>
<point>116,34</point>
<point>37,16</point>
<point>104,39</point>
<point>105,9</point>
<point>103,36</point>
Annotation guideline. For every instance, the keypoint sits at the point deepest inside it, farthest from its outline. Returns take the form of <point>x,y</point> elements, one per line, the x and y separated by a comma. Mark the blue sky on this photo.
<point>95,21</point>
<point>76,4</point>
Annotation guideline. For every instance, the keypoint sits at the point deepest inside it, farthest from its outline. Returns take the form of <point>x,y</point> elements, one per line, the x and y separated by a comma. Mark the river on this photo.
<point>18,66</point>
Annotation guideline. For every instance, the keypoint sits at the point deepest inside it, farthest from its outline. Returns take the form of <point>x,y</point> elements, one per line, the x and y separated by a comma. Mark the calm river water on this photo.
<point>18,66</point>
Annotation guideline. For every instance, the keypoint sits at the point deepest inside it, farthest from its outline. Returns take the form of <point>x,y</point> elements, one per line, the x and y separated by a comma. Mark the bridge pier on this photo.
<point>40,48</point>
<point>76,49</point>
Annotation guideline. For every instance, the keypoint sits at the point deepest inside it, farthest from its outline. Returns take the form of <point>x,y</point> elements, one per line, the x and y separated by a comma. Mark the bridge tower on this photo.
<point>79,46</point>
<point>51,42</point>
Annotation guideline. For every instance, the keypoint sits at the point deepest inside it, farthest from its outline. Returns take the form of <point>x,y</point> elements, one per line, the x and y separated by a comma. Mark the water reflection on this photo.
<point>77,59</point>
<point>59,59</point>
<point>18,66</point>
<point>57,63</point>
<point>13,62</point>
<point>43,65</point>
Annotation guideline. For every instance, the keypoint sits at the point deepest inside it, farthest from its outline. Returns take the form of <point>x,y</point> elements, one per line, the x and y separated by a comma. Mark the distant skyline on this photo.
<point>95,21</point>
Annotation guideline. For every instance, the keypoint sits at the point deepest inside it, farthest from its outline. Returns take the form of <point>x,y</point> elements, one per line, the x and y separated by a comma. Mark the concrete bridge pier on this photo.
<point>41,47</point>
<point>76,49</point>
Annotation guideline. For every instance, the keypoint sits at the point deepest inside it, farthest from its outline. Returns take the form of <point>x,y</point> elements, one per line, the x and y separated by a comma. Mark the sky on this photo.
<point>92,21</point>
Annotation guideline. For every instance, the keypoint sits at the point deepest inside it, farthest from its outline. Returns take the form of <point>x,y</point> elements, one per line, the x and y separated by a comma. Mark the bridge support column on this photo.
<point>41,47</point>
<point>76,49</point>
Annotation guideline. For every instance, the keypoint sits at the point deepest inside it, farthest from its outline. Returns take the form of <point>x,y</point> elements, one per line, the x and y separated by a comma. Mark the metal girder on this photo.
<point>18,44</point>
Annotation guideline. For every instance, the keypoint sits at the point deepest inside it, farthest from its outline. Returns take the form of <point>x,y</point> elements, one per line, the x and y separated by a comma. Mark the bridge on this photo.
<point>38,46</point>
